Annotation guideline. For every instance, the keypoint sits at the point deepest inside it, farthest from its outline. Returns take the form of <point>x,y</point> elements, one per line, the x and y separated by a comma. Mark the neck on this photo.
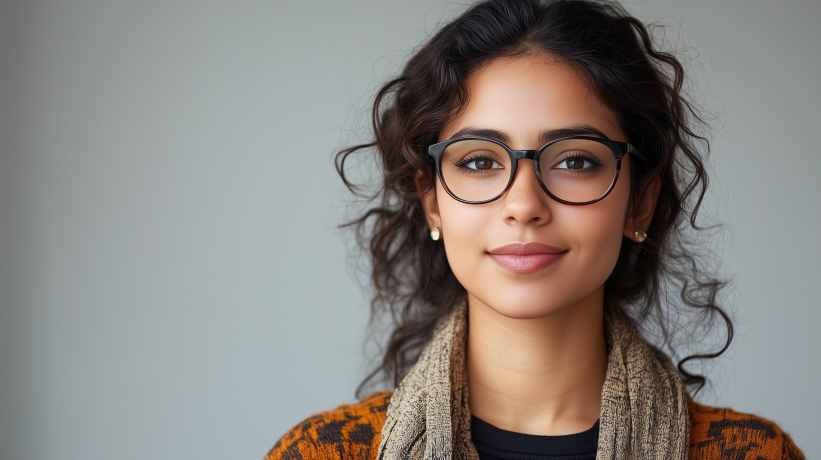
<point>540,376</point>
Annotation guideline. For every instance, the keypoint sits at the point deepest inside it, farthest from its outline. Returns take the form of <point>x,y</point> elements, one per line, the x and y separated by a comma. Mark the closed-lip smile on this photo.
<point>526,257</point>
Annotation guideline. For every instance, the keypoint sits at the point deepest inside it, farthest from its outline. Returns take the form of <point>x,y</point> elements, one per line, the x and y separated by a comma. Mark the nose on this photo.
<point>525,202</point>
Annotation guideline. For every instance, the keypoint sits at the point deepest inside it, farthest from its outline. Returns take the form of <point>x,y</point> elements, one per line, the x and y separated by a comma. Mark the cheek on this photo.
<point>464,233</point>
<point>594,232</point>
<point>459,220</point>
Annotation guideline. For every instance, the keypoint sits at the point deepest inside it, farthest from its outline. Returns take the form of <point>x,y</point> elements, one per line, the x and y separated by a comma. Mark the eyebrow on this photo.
<point>545,136</point>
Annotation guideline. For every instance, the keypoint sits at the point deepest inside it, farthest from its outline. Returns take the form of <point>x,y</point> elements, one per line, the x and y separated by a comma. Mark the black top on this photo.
<point>497,444</point>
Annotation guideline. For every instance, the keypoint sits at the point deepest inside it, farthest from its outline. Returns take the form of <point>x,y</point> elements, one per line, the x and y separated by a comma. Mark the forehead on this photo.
<point>522,96</point>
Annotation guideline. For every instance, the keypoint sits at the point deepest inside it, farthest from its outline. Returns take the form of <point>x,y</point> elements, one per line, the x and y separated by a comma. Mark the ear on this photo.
<point>427,195</point>
<point>639,217</point>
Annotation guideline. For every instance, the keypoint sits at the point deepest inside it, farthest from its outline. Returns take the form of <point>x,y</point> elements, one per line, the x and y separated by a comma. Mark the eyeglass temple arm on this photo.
<point>635,152</point>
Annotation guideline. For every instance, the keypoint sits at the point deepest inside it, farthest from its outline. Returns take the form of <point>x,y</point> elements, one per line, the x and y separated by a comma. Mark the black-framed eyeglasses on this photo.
<point>574,170</point>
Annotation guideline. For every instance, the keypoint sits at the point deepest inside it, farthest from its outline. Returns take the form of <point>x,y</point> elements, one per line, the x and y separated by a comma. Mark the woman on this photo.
<point>541,173</point>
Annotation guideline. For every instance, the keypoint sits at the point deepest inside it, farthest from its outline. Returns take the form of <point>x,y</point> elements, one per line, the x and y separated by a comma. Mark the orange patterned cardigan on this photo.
<point>353,432</point>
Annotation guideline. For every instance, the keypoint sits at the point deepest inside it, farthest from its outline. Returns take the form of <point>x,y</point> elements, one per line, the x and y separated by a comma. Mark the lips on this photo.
<point>526,257</point>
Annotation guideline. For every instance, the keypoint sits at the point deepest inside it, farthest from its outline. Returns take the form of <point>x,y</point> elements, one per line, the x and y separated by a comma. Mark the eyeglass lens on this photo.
<point>573,170</point>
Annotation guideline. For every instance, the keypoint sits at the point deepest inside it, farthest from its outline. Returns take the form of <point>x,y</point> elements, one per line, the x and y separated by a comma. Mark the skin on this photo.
<point>536,349</point>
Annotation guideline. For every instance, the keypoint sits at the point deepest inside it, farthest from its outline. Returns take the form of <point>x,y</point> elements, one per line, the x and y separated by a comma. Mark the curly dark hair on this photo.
<point>644,86</point>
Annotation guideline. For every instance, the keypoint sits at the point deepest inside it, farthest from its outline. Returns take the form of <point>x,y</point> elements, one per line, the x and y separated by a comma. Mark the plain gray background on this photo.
<point>171,280</point>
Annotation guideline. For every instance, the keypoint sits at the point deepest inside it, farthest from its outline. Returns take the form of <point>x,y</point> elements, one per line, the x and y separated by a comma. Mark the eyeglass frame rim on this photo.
<point>619,149</point>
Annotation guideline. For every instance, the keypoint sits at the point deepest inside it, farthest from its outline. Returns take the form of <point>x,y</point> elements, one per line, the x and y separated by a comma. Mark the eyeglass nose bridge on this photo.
<point>516,156</point>
<point>523,154</point>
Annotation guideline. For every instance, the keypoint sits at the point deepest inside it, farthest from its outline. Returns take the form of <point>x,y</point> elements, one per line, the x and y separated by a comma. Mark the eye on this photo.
<point>477,162</point>
<point>482,164</point>
<point>575,163</point>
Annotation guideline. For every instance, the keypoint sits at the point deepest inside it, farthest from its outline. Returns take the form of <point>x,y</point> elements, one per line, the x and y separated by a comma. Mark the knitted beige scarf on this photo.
<point>643,405</point>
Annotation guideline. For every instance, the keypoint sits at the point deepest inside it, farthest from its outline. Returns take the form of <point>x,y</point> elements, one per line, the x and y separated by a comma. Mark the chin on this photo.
<point>527,305</point>
<point>523,313</point>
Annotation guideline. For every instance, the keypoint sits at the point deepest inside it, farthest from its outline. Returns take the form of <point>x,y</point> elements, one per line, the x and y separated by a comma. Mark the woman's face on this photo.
<point>522,97</point>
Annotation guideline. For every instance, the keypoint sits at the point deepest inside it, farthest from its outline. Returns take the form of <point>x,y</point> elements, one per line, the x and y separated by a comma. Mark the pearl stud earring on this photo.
<point>434,234</point>
<point>641,235</point>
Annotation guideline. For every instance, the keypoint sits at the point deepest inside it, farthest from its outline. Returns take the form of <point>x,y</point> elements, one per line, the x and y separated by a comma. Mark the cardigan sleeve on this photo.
<point>722,433</point>
<point>347,432</point>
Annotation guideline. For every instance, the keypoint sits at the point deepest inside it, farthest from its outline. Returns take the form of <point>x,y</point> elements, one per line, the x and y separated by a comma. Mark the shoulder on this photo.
<point>351,431</point>
<point>724,433</point>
